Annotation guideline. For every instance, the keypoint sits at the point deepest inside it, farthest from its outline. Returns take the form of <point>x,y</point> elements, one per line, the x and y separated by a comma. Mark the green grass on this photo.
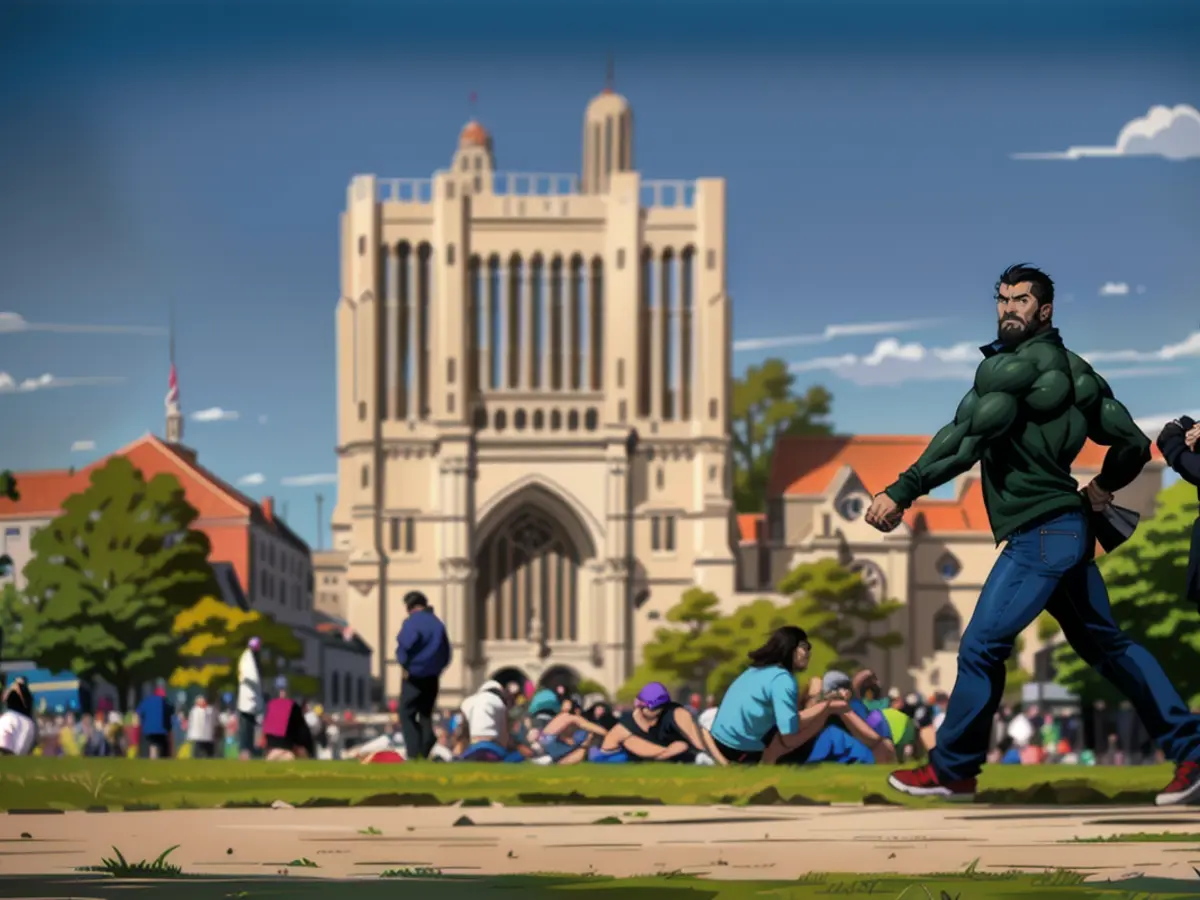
<point>1143,837</point>
<point>430,884</point>
<point>119,867</point>
<point>37,783</point>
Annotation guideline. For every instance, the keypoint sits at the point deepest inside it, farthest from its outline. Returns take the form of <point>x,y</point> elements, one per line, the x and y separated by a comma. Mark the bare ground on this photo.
<point>721,842</point>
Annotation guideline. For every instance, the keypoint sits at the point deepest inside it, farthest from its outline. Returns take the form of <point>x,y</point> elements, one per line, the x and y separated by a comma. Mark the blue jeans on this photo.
<point>1051,567</point>
<point>836,745</point>
<point>490,751</point>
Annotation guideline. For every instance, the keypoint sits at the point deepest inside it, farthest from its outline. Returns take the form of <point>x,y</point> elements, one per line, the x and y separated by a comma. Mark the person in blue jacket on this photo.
<point>1180,446</point>
<point>423,651</point>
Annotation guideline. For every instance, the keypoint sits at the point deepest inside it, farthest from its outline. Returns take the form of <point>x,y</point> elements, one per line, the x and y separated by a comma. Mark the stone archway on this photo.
<point>508,675</point>
<point>560,676</point>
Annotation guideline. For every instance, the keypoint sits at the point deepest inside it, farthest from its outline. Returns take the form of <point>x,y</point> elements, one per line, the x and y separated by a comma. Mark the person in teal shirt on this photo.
<point>759,719</point>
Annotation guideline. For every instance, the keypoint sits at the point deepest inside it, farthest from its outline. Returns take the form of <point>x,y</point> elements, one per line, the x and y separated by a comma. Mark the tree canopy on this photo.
<point>852,622</point>
<point>108,577</point>
<point>1145,578</point>
<point>212,636</point>
<point>765,408</point>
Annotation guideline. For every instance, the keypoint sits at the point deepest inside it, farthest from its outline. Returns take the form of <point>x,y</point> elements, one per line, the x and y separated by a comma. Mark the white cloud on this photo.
<point>214,414</point>
<point>11,322</point>
<point>892,362</point>
<point>308,480</point>
<point>83,446</point>
<point>10,385</point>
<point>252,479</point>
<point>1152,425</point>
<point>1170,132</point>
<point>831,333</point>
<point>1187,348</point>
<point>1114,289</point>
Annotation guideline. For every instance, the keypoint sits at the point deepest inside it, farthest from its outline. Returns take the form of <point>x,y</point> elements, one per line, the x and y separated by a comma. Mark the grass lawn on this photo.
<point>955,886</point>
<point>38,783</point>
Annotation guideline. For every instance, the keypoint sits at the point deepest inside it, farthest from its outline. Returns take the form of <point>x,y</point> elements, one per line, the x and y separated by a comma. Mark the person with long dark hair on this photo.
<point>1180,446</point>
<point>759,719</point>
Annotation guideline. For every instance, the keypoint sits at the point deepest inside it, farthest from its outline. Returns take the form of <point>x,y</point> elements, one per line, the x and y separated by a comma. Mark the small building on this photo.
<point>345,664</point>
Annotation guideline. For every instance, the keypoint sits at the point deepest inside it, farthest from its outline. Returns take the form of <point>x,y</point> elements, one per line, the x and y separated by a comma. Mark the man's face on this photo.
<point>1018,315</point>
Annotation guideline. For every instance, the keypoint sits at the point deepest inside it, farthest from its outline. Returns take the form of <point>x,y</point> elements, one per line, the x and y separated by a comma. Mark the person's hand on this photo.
<point>1192,438</point>
<point>835,706</point>
<point>883,513</point>
<point>674,749</point>
<point>1097,496</point>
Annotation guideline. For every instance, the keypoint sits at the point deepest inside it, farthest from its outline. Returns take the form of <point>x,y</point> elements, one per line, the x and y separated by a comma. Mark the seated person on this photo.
<point>760,719</point>
<point>488,733</point>
<point>287,735</point>
<point>600,713</point>
<point>856,735</point>
<point>658,729</point>
<point>559,733</point>
<point>18,731</point>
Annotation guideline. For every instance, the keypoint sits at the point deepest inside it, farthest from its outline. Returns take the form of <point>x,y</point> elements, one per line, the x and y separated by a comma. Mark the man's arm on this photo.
<point>1173,444</point>
<point>1110,425</point>
<point>408,642</point>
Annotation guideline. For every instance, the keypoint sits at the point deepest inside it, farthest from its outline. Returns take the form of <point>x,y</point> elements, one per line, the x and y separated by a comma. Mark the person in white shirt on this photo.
<point>485,715</point>
<point>18,732</point>
<point>250,704</point>
<point>1020,729</point>
<point>201,730</point>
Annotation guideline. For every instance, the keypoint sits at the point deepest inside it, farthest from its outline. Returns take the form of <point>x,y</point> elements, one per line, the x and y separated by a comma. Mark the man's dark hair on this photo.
<point>780,648</point>
<point>415,600</point>
<point>19,698</point>
<point>1040,284</point>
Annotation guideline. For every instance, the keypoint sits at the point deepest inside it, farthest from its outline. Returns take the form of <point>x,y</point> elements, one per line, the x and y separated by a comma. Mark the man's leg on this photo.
<point>410,711</point>
<point>1083,611</point>
<point>429,695</point>
<point>1017,589</point>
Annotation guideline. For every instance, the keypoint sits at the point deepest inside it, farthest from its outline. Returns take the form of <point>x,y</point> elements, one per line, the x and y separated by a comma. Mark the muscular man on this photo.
<point>1025,420</point>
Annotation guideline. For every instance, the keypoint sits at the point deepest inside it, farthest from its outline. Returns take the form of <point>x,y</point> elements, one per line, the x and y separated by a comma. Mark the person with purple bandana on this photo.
<point>658,729</point>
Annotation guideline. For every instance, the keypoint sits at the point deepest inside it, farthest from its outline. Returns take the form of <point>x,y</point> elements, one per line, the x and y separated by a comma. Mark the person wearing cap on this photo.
<point>423,651</point>
<point>250,705</point>
<point>18,730</point>
<point>760,719</point>
<point>486,722</point>
<point>657,729</point>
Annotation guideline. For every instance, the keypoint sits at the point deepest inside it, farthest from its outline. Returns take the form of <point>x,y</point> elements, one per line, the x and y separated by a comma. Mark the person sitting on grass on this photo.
<point>760,719</point>
<point>559,733</point>
<point>18,731</point>
<point>487,732</point>
<point>657,730</point>
<point>855,735</point>
<point>287,735</point>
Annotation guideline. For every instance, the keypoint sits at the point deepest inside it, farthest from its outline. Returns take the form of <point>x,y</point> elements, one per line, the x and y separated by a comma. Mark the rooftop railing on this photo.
<point>656,194</point>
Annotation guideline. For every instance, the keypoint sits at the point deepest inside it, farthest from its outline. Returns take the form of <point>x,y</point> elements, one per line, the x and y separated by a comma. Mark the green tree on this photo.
<point>109,576</point>
<point>706,651</point>
<point>1146,578</point>
<point>765,408</point>
<point>852,622</point>
<point>212,636</point>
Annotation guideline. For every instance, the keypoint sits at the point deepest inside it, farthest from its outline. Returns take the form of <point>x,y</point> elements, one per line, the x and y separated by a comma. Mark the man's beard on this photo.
<point>1012,336</point>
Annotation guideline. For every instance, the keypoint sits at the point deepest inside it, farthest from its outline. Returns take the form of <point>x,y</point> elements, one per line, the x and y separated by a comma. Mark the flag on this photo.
<point>173,388</point>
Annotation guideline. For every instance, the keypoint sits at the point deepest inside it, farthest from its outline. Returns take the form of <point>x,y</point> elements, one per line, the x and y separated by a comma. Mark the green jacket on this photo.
<point>1025,420</point>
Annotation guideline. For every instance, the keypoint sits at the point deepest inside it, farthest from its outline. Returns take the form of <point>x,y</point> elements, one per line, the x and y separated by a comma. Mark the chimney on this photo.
<point>268,508</point>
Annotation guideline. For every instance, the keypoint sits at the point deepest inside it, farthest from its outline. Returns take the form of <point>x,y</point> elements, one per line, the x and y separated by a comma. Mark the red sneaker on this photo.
<point>924,782</point>
<point>1184,787</point>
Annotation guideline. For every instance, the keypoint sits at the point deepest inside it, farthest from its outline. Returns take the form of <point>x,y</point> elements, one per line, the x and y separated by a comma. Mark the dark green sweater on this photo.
<point>1025,420</point>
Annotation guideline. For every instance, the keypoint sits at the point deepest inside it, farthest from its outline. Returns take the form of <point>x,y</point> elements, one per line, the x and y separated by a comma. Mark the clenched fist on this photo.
<point>884,514</point>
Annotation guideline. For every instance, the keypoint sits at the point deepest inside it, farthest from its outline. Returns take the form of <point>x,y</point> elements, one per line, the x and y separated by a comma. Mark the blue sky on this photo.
<point>195,157</point>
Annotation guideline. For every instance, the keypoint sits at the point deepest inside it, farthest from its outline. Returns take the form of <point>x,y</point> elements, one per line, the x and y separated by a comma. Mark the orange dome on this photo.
<point>474,135</point>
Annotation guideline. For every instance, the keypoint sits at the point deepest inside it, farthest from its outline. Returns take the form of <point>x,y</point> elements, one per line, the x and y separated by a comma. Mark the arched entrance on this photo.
<point>509,675</point>
<point>528,581</point>
<point>560,677</point>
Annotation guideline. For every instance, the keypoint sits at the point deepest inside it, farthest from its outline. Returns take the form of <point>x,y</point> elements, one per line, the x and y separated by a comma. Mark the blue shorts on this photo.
<point>556,748</point>
<point>597,755</point>
<point>489,751</point>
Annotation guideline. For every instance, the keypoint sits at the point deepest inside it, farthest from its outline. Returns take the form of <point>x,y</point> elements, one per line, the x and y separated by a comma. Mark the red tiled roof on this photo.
<point>750,527</point>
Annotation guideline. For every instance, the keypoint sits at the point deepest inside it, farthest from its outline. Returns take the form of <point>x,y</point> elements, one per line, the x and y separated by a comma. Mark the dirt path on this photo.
<point>719,842</point>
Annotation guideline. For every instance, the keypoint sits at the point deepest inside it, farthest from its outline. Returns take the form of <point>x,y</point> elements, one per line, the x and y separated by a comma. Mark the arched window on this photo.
<point>948,566</point>
<point>947,629</point>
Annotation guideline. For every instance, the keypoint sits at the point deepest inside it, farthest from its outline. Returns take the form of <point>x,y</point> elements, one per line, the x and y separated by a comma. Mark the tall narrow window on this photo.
<point>394,536</point>
<point>655,533</point>
<point>669,537</point>
<point>410,535</point>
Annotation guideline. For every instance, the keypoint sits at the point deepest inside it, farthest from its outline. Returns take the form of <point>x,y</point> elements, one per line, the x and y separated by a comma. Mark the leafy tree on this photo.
<point>707,651</point>
<point>212,636</point>
<point>850,610</point>
<point>1146,578</point>
<point>108,577</point>
<point>765,408</point>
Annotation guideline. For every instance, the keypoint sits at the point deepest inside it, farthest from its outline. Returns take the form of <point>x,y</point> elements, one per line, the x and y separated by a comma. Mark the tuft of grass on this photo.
<point>302,863</point>
<point>119,867</point>
<point>1058,878</point>
<point>608,820</point>
<point>1141,837</point>
<point>417,872</point>
<point>370,829</point>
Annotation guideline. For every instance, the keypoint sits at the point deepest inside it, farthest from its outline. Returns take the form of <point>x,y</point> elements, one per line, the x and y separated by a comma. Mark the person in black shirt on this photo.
<point>659,729</point>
